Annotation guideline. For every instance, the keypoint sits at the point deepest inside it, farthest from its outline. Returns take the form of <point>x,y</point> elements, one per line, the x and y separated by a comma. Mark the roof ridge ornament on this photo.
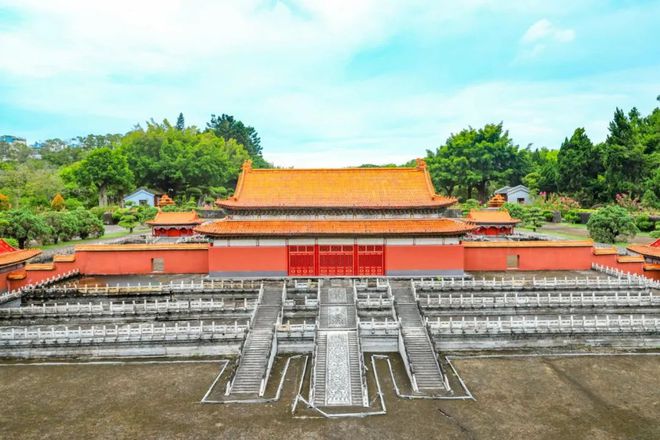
<point>421,164</point>
<point>247,165</point>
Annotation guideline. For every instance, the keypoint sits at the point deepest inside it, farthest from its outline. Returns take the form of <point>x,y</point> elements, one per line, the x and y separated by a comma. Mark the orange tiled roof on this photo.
<point>630,259</point>
<point>17,275</point>
<point>229,227</point>
<point>7,258</point>
<point>605,251</point>
<point>523,244</point>
<point>175,218</point>
<point>40,266</point>
<point>140,247</point>
<point>652,267</point>
<point>64,258</point>
<point>496,201</point>
<point>491,217</point>
<point>165,200</point>
<point>646,250</point>
<point>369,188</point>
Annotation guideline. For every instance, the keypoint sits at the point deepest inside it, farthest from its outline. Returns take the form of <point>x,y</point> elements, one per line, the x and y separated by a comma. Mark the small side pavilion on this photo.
<point>174,224</point>
<point>492,222</point>
<point>12,263</point>
<point>651,254</point>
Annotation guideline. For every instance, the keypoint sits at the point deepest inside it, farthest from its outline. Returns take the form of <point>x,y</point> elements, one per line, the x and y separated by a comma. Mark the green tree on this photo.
<point>626,165</point>
<point>470,205</point>
<point>89,224</point>
<point>172,160</point>
<point>33,183</point>
<point>515,210</point>
<point>180,122</point>
<point>544,176</point>
<point>445,169</point>
<point>227,127</point>
<point>64,225</point>
<point>105,170</point>
<point>579,165</point>
<point>533,217</point>
<point>24,226</point>
<point>128,221</point>
<point>611,222</point>
<point>478,157</point>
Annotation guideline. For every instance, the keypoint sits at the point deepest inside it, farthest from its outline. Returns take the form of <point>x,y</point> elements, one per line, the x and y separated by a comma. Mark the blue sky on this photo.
<point>328,83</point>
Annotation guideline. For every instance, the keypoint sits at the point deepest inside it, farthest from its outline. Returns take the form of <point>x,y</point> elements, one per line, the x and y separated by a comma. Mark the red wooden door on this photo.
<point>336,260</point>
<point>371,260</point>
<point>301,260</point>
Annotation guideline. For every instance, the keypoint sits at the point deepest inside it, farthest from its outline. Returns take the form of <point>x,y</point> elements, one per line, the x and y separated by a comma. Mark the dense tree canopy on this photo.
<point>105,170</point>
<point>227,127</point>
<point>473,159</point>
<point>627,162</point>
<point>175,160</point>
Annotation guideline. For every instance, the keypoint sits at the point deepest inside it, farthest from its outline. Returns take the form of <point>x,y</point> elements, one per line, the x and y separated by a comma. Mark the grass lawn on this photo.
<point>572,231</point>
<point>120,234</point>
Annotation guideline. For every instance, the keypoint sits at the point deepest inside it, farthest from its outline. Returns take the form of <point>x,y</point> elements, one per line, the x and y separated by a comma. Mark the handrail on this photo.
<point>570,323</point>
<point>623,280</point>
<point>113,308</point>
<point>129,332</point>
<point>537,299</point>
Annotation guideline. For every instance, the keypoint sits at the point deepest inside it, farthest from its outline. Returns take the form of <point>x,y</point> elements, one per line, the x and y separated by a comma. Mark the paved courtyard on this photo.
<point>536,398</point>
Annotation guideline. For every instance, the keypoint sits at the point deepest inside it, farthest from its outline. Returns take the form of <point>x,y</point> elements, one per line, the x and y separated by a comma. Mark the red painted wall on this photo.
<point>493,230</point>
<point>532,258</point>
<point>4,284</point>
<point>248,259</point>
<point>423,257</point>
<point>119,262</point>
<point>653,274</point>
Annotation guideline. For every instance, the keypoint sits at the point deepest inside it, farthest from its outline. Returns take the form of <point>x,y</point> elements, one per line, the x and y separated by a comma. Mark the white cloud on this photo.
<point>544,31</point>
<point>281,66</point>
<point>542,35</point>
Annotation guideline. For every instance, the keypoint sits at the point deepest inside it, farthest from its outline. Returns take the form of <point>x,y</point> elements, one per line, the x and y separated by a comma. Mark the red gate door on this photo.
<point>301,260</point>
<point>370,260</point>
<point>336,260</point>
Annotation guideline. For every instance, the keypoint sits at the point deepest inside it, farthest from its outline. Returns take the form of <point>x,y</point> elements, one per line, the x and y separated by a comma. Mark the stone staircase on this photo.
<point>338,359</point>
<point>338,369</point>
<point>253,364</point>
<point>419,349</point>
<point>337,316</point>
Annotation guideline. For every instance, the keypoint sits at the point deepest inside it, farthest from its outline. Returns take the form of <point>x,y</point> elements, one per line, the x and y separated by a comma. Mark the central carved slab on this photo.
<point>337,317</point>
<point>337,295</point>
<point>338,372</point>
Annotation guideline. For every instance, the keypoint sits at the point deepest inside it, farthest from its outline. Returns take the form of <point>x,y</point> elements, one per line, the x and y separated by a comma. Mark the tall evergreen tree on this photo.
<point>578,166</point>
<point>227,127</point>
<point>180,122</point>
<point>623,156</point>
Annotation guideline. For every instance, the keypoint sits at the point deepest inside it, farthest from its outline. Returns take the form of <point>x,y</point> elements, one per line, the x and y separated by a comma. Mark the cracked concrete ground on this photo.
<point>613,397</point>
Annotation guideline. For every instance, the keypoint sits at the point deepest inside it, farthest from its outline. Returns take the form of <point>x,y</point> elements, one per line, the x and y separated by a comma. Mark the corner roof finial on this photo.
<point>247,165</point>
<point>421,164</point>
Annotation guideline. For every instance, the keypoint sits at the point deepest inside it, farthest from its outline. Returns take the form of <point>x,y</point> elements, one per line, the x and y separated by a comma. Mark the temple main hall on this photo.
<point>335,222</point>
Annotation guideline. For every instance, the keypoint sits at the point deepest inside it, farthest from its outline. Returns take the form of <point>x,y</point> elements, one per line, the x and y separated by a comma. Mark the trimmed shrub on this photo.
<point>572,216</point>
<point>515,210</point>
<point>644,223</point>
<point>608,223</point>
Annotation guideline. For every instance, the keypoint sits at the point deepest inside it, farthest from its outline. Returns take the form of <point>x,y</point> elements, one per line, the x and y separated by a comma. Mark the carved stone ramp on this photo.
<point>422,358</point>
<point>337,379</point>
<point>255,356</point>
